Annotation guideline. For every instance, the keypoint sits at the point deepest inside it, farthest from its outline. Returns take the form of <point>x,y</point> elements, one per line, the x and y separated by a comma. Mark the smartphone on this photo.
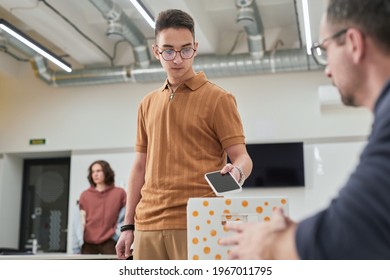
<point>222,183</point>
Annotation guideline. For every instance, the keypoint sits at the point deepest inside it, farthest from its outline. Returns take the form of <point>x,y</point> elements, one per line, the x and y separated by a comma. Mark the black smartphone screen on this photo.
<point>222,183</point>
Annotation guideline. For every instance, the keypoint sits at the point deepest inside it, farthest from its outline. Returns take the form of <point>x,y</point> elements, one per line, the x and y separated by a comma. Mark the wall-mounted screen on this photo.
<point>276,165</point>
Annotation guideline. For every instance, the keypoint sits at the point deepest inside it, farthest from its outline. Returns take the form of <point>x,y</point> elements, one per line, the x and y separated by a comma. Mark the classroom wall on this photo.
<point>11,169</point>
<point>99,122</point>
<point>273,107</point>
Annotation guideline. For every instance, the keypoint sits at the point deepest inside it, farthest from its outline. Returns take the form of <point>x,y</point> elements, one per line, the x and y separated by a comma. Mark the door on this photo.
<point>44,220</point>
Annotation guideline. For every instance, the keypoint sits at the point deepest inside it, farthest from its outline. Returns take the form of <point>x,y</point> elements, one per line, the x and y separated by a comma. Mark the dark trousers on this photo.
<point>105,248</point>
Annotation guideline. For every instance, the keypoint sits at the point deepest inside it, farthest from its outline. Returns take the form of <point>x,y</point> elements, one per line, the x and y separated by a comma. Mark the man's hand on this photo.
<point>267,240</point>
<point>123,246</point>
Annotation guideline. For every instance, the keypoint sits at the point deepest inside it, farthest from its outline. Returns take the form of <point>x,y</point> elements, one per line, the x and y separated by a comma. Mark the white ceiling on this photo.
<point>76,30</point>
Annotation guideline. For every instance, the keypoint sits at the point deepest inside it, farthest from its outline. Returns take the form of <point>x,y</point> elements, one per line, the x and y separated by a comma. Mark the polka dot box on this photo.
<point>206,218</point>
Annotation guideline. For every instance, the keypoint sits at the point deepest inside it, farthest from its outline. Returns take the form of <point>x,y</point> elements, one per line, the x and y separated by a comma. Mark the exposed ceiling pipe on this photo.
<point>2,41</point>
<point>7,39</point>
<point>248,16</point>
<point>82,77</point>
<point>212,65</point>
<point>121,25</point>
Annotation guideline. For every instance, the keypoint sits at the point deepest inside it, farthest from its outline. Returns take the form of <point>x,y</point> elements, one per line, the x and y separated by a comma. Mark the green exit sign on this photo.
<point>38,141</point>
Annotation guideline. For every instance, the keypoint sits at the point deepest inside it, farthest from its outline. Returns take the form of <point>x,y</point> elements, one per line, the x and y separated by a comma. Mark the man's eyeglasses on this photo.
<point>318,50</point>
<point>170,54</point>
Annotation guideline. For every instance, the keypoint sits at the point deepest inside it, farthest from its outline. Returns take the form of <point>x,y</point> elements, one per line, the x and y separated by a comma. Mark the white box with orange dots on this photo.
<point>206,218</point>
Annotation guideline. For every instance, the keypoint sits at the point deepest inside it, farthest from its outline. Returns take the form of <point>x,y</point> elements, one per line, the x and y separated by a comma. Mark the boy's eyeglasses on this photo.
<point>170,54</point>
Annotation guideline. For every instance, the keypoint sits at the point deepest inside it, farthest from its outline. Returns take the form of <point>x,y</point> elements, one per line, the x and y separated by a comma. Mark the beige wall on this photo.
<point>274,107</point>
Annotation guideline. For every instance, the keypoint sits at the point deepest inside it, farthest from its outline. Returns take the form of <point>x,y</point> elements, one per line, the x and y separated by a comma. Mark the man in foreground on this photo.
<point>356,52</point>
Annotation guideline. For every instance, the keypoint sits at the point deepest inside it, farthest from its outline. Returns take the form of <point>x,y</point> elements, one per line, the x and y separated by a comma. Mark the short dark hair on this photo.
<point>372,17</point>
<point>109,174</point>
<point>174,18</point>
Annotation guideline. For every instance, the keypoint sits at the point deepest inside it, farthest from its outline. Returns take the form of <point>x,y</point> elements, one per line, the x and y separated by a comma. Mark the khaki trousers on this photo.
<point>160,245</point>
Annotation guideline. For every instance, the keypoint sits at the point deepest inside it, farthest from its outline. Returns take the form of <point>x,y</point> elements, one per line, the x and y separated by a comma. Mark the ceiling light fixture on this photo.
<point>19,35</point>
<point>306,22</point>
<point>147,15</point>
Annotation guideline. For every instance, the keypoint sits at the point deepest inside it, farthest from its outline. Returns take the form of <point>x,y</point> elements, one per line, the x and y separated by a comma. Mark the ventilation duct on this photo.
<point>248,16</point>
<point>6,39</point>
<point>120,25</point>
<point>2,42</point>
<point>93,76</point>
<point>213,66</point>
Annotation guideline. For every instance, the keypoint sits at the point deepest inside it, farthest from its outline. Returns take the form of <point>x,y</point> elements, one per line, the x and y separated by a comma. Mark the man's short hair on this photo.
<point>372,17</point>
